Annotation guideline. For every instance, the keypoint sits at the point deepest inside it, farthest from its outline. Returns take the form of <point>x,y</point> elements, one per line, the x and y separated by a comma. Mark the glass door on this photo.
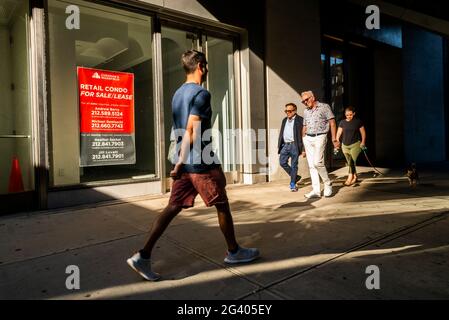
<point>174,43</point>
<point>220,83</point>
<point>334,84</point>
<point>347,71</point>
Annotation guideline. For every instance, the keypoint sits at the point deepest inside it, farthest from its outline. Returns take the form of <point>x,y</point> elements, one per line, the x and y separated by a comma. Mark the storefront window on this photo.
<point>102,110</point>
<point>16,169</point>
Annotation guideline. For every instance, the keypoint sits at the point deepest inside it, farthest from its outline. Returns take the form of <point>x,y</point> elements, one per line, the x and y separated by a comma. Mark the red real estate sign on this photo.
<point>106,101</point>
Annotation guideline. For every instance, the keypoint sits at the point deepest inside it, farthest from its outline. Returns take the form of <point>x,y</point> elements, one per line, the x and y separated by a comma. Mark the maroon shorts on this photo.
<point>210,185</point>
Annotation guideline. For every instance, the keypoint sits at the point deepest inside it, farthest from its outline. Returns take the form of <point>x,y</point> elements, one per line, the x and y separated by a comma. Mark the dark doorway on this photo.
<point>348,81</point>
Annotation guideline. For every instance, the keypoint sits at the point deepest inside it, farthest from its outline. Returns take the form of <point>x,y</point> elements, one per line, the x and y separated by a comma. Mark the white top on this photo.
<point>288,130</point>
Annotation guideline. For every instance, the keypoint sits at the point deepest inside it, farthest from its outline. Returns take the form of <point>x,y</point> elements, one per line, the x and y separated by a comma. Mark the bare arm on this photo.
<point>191,134</point>
<point>304,131</point>
<point>339,133</point>
<point>333,126</point>
<point>363,134</point>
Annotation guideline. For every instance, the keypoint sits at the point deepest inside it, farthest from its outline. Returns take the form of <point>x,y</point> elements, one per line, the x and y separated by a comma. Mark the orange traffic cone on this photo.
<point>15,178</point>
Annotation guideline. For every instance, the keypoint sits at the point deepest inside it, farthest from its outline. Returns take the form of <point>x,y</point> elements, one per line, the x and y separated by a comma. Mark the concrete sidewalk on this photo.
<point>316,249</point>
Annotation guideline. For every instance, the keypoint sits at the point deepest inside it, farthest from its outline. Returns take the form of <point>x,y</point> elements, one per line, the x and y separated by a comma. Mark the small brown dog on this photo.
<point>412,175</point>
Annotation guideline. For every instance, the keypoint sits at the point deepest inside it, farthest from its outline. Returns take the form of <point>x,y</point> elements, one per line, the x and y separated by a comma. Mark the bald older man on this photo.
<point>318,119</point>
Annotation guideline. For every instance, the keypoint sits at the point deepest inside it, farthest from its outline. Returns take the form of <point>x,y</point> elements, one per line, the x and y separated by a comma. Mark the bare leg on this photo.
<point>227,225</point>
<point>159,227</point>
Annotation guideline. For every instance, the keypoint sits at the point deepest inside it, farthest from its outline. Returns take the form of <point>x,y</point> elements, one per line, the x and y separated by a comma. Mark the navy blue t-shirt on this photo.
<point>193,99</point>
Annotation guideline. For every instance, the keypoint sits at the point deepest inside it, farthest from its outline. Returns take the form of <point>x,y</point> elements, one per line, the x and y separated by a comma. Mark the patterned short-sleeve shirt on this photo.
<point>317,119</point>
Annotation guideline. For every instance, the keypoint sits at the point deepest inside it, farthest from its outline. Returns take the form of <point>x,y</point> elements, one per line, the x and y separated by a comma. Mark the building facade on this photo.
<point>86,87</point>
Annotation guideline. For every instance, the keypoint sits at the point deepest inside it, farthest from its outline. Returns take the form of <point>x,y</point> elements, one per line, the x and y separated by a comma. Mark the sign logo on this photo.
<point>73,20</point>
<point>96,76</point>
<point>373,281</point>
<point>73,280</point>
<point>373,20</point>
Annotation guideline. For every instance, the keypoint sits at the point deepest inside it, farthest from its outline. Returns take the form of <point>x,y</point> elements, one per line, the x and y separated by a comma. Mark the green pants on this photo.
<point>351,154</point>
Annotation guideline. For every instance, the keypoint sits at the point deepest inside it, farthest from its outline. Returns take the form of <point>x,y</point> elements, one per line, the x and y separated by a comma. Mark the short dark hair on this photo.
<point>350,108</point>
<point>291,104</point>
<point>190,60</point>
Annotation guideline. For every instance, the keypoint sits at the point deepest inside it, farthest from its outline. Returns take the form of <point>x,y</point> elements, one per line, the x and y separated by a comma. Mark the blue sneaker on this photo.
<point>242,255</point>
<point>143,267</point>
<point>293,187</point>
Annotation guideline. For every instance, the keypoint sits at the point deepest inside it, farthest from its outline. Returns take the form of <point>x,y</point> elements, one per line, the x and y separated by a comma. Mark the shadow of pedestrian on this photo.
<point>305,205</point>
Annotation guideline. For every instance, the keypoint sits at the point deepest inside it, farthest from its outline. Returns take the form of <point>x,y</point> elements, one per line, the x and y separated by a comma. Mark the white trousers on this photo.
<point>315,147</point>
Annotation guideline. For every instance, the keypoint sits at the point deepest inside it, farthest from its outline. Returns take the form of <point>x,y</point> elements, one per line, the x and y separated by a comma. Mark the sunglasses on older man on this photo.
<point>305,100</point>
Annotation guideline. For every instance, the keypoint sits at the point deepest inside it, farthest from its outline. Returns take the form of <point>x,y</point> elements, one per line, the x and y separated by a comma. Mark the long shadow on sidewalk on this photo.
<point>293,238</point>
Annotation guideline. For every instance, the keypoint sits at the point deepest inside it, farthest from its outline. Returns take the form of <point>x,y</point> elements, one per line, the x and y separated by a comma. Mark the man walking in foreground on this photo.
<point>194,172</point>
<point>318,118</point>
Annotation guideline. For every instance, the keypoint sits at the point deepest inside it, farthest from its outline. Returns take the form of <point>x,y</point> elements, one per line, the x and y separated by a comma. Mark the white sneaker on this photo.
<point>312,195</point>
<point>143,267</point>
<point>328,190</point>
<point>243,255</point>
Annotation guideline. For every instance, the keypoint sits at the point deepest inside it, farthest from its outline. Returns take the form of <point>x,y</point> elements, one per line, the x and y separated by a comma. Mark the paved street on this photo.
<point>316,249</point>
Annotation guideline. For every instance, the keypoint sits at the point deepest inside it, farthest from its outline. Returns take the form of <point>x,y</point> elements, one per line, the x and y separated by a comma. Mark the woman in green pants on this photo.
<point>353,135</point>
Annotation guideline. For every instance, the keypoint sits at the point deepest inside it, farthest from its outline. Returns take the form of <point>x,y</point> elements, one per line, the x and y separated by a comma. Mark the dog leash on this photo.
<point>364,149</point>
<point>367,159</point>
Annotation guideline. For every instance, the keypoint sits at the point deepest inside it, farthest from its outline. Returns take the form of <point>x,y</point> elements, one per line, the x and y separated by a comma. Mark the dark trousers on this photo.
<point>290,151</point>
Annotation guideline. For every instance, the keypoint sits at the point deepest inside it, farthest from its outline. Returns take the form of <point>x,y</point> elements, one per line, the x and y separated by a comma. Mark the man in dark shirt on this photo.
<point>196,171</point>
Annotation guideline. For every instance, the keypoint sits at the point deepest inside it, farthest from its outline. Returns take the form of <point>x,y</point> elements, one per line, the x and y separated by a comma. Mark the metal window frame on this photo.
<point>94,184</point>
<point>39,100</point>
<point>202,30</point>
<point>37,198</point>
<point>159,102</point>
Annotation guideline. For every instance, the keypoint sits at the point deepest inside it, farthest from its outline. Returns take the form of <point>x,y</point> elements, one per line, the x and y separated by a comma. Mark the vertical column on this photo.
<point>39,102</point>
<point>293,65</point>
<point>159,104</point>
<point>253,107</point>
<point>424,125</point>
